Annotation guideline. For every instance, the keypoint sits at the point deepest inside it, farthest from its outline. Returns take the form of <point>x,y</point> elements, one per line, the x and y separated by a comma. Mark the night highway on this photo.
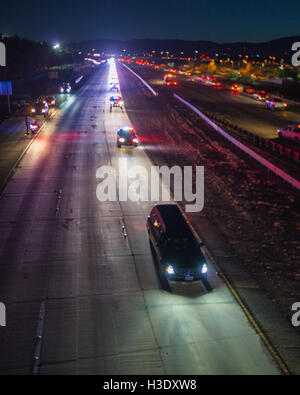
<point>149,198</point>
<point>106,311</point>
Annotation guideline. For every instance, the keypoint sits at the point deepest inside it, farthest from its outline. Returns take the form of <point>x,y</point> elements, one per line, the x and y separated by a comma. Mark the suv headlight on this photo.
<point>170,269</point>
<point>204,269</point>
<point>121,139</point>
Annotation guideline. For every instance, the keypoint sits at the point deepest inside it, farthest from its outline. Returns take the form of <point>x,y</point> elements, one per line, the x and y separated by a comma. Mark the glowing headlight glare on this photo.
<point>204,268</point>
<point>32,110</point>
<point>170,269</point>
<point>121,139</point>
<point>135,140</point>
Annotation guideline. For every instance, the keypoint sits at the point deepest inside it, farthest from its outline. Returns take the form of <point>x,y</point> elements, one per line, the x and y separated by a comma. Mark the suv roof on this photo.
<point>175,223</point>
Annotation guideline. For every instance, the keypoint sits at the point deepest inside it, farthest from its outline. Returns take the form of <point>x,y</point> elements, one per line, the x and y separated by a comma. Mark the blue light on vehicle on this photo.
<point>204,269</point>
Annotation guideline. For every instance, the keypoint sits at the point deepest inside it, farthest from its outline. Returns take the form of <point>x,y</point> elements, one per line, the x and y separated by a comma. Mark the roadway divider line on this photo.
<point>78,79</point>
<point>209,257</point>
<point>141,79</point>
<point>38,339</point>
<point>280,173</point>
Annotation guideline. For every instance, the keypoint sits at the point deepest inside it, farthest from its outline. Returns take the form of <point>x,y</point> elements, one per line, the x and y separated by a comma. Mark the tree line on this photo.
<point>25,57</point>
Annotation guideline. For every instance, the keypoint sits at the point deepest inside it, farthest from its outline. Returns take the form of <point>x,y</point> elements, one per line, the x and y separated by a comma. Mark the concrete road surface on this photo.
<point>68,274</point>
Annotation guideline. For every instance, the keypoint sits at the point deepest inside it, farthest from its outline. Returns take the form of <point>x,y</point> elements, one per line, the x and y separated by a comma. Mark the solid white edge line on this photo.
<point>141,79</point>
<point>280,173</point>
<point>38,339</point>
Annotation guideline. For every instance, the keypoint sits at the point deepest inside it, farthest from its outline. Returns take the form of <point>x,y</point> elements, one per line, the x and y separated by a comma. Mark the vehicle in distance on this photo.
<point>65,87</point>
<point>250,91</point>
<point>217,84</point>
<point>116,101</point>
<point>114,86</point>
<point>260,96</point>
<point>276,104</point>
<point>291,132</point>
<point>40,108</point>
<point>170,79</point>
<point>176,248</point>
<point>236,88</point>
<point>207,80</point>
<point>126,136</point>
<point>50,100</point>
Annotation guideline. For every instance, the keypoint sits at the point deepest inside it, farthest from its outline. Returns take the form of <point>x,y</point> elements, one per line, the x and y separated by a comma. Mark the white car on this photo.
<point>276,103</point>
<point>291,132</point>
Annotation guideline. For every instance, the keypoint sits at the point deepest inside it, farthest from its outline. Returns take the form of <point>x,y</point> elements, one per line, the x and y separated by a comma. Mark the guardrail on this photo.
<point>274,146</point>
<point>276,170</point>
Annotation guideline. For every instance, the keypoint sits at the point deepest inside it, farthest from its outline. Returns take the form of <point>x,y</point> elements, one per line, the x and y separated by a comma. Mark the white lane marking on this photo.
<point>59,196</point>
<point>78,79</point>
<point>280,173</point>
<point>38,339</point>
<point>141,79</point>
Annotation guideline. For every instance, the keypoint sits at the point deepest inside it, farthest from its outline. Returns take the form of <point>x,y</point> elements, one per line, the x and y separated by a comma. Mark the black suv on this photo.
<point>176,248</point>
<point>40,108</point>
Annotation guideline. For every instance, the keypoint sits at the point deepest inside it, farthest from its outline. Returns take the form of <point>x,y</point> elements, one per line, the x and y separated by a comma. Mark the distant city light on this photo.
<point>56,46</point>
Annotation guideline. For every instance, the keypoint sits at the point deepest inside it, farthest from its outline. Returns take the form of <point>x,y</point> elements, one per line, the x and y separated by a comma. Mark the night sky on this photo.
<point>220,21</point>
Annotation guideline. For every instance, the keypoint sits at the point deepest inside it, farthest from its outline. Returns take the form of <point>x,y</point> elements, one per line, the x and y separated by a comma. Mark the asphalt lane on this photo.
<point>105,310</point>
<point>240,109</point>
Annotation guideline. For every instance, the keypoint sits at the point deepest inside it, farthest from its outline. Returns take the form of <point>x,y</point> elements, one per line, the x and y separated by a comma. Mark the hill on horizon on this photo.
<point>278,47</point>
